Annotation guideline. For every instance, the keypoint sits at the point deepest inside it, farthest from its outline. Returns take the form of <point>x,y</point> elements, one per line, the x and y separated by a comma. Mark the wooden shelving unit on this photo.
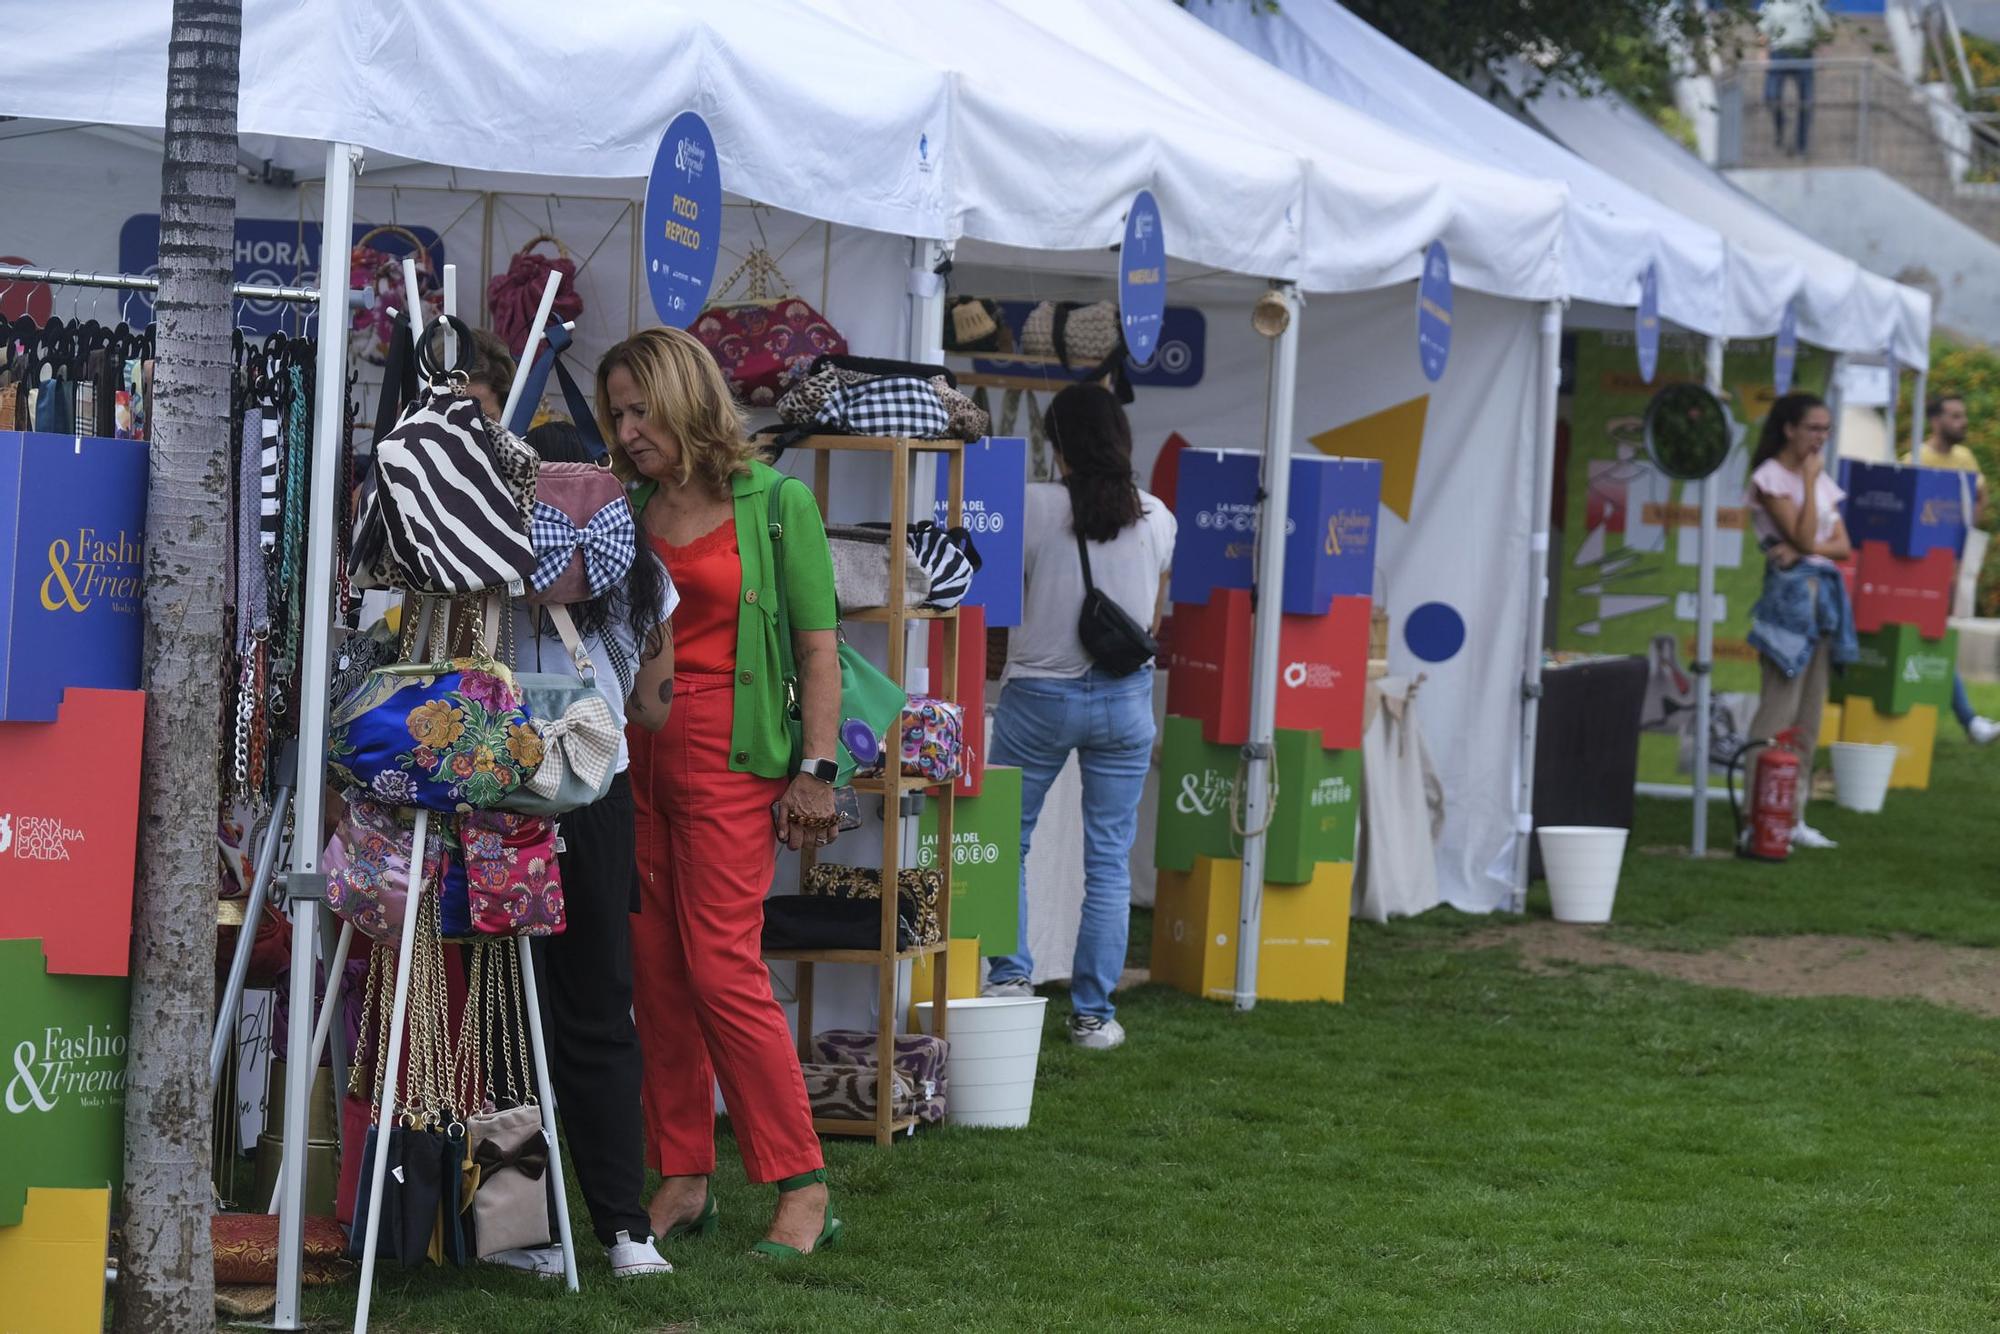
<point>892,787</point>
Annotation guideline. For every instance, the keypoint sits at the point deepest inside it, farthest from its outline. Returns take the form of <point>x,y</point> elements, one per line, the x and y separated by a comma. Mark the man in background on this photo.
<point>1792,30</point>
<point>1944,447</point>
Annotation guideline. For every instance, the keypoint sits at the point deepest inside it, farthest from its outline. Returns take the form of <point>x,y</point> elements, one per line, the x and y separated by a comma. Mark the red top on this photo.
<point>709,574</point>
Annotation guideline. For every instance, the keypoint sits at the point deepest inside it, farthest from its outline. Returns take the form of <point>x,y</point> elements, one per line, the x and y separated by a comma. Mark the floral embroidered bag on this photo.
<point>510,867</point>
<point>368,866</point>
<point>448,736</point>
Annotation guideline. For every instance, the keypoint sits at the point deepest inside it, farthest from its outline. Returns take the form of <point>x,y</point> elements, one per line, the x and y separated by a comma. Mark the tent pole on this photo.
<point>1895,397</point>
<point>1704,632</point>
<point>926,345</point>
<point>1836,403</point>
<point>1538,593</point>
<point>1257,754</point>
<point>305,887</point>
<point>1919,405</point>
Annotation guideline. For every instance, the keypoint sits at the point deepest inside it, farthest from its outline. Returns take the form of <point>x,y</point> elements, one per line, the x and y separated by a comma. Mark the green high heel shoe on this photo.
<point>829,1234</point>
<point>703,1224</point>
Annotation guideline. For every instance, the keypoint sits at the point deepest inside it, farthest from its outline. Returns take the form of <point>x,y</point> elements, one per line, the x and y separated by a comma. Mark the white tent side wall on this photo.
<point>1465,540</point>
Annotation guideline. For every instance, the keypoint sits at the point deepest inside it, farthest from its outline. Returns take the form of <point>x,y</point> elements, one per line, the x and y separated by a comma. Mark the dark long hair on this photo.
<point>1088,427</point>
<point>638,600</point>
<point>1786,413</point>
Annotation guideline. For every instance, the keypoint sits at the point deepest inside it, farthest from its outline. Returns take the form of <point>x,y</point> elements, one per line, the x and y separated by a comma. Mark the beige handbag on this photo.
<point>1080,337</point>
<point>861,569</point>
<point>510,1151</point>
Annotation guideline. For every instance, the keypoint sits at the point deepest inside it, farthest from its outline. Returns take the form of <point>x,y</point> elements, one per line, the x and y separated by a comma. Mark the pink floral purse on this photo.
<point>367,866</point>
<point>511,871</point>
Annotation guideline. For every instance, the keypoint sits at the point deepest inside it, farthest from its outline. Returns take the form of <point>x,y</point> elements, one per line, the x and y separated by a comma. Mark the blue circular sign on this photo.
<point>1786,358</point>
<point>1435,632</point>
<point>1434,312</point>
<point>1142,278</point>
<point>683,221</point>
<point>1647,328</point>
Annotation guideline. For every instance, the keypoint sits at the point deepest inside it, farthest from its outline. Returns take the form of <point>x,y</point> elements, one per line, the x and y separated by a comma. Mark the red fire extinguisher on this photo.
<point>1774,791</point>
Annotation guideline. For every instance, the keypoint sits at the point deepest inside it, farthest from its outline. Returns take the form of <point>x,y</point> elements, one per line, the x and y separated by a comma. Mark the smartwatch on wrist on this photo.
<point>824,770</point>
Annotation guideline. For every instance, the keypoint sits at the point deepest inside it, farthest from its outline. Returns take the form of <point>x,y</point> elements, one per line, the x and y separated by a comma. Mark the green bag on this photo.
<point>866,692</point>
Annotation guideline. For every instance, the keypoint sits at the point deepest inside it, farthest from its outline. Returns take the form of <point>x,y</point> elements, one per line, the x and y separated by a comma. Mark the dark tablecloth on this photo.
<point>1587,746</point>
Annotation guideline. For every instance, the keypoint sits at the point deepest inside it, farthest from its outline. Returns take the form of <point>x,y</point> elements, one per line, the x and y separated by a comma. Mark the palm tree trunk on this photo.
<point>167,1272</point>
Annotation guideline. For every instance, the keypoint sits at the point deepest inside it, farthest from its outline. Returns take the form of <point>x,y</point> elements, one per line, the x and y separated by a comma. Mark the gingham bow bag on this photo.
<point>594,555</point>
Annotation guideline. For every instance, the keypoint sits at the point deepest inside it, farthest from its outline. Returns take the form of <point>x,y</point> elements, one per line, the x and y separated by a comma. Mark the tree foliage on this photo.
<point>1628,46</point>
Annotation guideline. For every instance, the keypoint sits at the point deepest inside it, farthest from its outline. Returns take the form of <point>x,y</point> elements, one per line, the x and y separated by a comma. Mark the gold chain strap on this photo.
<point>470,1075</point>
<point>519,1050</point>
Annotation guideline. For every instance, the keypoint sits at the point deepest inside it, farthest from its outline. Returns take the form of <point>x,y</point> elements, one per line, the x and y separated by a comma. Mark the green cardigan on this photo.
<point>759,741</point>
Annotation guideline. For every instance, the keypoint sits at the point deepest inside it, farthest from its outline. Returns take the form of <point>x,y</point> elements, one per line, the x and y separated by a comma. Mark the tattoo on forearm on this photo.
<point>667,691</point>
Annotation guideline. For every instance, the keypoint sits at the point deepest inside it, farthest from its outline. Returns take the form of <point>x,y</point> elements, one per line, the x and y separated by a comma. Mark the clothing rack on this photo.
<point>136,282</point>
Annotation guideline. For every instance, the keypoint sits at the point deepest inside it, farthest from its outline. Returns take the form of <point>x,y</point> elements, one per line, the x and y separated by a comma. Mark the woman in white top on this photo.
<point>1056,700</point>
<point>1795,509</point>
<point>586,972</point>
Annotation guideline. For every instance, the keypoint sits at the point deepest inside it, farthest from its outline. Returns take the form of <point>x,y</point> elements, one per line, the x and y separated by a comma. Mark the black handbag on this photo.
<point>803,922</point>
<point>1114,641</point>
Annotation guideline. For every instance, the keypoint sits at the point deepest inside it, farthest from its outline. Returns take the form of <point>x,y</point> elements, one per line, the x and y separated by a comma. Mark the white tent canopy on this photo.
<point>1610,231</point>
<point>1375,197</point>
<point>1842,306</point>
<point>1728,267</point>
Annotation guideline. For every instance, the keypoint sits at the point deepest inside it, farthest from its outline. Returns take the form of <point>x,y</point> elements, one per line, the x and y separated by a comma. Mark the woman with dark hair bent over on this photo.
<point>1056,700</point>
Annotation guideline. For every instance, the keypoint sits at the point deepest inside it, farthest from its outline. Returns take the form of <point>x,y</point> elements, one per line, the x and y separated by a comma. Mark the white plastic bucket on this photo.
<point>1582,862</point>
<point>1861,773</point>
<point>996,1044</point>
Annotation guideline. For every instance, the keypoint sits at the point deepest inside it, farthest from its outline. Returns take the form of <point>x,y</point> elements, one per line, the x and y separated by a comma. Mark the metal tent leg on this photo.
<point>546,1092</point>
<point>399,1016</point>
<point>246,938</point>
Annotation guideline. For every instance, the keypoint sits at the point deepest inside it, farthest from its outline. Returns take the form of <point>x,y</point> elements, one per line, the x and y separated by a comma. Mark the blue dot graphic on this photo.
<point>1435,632</point>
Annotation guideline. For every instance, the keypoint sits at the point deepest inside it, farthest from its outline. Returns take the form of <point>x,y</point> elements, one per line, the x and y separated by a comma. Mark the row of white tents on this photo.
<point>1014,133</point>
<point>1294,147</point>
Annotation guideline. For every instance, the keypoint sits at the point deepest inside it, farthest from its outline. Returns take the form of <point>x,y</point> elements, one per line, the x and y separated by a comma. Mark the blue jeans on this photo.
<point>1961,703</point>
<point>1108,722</point>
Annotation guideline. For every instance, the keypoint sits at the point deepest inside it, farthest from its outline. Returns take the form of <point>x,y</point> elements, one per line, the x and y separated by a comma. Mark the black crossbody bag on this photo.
<point>1114,641</point>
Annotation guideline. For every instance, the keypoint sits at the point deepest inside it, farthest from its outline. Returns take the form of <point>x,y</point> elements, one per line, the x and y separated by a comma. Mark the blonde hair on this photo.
<point>686,397</point>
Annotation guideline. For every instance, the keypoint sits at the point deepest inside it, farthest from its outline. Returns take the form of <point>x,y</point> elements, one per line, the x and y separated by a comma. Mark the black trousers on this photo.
<point>585,977</point>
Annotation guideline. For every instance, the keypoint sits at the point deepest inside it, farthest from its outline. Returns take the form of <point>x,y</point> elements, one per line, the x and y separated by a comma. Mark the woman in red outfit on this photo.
<point>719,785</point>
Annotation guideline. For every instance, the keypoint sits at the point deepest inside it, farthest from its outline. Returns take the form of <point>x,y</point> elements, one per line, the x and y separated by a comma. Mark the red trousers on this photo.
<point>701,992</point>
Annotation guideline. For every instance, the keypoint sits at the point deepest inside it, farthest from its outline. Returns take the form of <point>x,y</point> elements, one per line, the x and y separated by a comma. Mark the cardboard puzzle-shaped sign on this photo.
<point>62,1078</point>
<point>1895,590</point>
<point>1915,511</point>
<point>985,861</point>
<point>72,533</point>
<point>1329,529</point>
<point>69,829</point>
<point>1899,669</point>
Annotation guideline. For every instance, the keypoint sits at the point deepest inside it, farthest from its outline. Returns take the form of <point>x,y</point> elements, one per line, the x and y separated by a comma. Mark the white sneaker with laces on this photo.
<point>1095,1034</point>
<point>1013,986</point>
<point>630,1259</point>
<point>1983,731</point>
<point>541,1261</point>
<point>1805,836</point>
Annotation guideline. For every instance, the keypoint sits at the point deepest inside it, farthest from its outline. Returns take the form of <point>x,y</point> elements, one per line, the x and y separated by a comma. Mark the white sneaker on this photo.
<point>1013,986</point>
<point>630,1259</point>
<point>541,1261</point>
<point>1983,731</point>
<point>1088,1031</point>
<point>1805,836</point>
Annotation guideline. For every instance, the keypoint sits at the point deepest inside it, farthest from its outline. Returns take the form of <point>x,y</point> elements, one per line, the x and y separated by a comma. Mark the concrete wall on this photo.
<point>1884,226</point>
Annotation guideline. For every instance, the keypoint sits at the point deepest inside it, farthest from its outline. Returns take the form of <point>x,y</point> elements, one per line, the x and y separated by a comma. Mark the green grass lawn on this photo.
<point>1463,1146</point>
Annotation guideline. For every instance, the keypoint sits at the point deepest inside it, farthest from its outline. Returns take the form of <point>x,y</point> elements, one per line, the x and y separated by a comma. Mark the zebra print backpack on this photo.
<point>444,512</point>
